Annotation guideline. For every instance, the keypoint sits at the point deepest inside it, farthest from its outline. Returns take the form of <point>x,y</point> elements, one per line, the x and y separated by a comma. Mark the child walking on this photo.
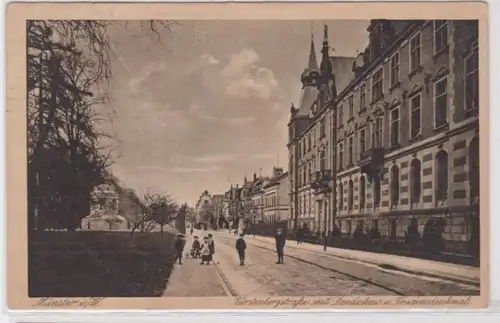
<point>241,246</point>
<point>179,247</point>
<point>206,252</point>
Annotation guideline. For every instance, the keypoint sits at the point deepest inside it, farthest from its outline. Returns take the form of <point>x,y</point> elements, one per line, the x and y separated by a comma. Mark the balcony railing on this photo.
<point>320,180</point>
<point>324,175</point>
<point>371,162</point>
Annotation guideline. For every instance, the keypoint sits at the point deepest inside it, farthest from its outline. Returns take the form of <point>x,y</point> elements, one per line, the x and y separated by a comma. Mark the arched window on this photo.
<point>322,160</point>
<point>362,186</point>
<point>441,165</point>
<point>376,192</point>
<point>394,185</point>
<point>341,196</point>
<point>415,180</point>
<point>474,170</point>
<point>350,195</point>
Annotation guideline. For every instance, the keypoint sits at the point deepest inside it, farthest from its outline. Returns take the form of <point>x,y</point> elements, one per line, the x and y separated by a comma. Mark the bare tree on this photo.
<point>191,215</point>
<point>136,210</point>
<point>164,208</point>
<point>155,209</point>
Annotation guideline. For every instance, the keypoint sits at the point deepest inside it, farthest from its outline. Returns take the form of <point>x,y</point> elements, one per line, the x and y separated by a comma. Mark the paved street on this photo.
<point>191,279</point>
<point>305,273</point>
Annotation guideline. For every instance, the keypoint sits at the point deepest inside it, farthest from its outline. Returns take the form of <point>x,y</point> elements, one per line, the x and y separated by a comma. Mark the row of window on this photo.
<point>415,61</point>
<point>440,186</point>
<point>306,170</point>
<point>471,77</point>
<point>270,200</point>
<point>440,118</point>
<point>441,103</point>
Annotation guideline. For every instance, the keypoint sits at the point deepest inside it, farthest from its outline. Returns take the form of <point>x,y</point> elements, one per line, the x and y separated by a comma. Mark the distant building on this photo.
<point>276,197</point>
<point>256,199</point>
<point>405,128</point>
<point>205,210</point>
<point>218,208</point>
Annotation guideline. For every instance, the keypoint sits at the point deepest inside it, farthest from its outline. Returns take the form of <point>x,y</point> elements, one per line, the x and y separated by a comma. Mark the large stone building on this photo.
<point>276,197</point>
<point>311,136</point>
<point>406,133</point>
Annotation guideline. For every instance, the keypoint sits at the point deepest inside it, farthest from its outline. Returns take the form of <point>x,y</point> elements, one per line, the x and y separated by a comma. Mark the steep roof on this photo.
<point>313,62</point>
<point>309,91</point>
<point>342,68</point>
<point>307,98</point>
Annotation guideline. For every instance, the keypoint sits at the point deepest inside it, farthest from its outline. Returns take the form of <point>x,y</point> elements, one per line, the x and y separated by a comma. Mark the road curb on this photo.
<point>382,265</point>
<point>387,266</point>
<point>226,285</point>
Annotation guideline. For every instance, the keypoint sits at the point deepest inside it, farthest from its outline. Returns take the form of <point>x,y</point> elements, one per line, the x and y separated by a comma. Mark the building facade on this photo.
<point>255,200</point>
<point>218,208</point>
<point>276,197</point>
<point>311,134</point>
<point>406,136</point>
<point>204,210</point>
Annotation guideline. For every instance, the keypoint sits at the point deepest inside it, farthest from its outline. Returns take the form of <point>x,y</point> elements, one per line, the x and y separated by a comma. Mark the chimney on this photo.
<point>277,171</point>
<point>254,177</point>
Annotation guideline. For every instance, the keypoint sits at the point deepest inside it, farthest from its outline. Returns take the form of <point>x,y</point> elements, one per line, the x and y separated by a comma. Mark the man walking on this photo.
<point>280,246</point>
<point>299,235</point>
<point>241,246</point>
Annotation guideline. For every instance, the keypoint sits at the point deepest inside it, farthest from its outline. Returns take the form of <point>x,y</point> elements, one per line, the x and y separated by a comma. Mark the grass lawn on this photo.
<point>99,264</point>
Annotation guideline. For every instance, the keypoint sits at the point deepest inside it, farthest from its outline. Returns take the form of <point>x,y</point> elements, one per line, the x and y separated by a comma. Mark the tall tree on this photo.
<point>69,66</point>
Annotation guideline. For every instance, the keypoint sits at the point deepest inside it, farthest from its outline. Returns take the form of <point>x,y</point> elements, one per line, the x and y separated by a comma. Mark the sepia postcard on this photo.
<point>247,156</point>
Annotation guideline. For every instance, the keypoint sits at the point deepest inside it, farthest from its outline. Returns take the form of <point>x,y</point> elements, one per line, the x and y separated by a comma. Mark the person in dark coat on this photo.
<point>211,245</point>
<point>241,246</point>
<point>179,247</point>
<point>300,235</point>
<point>280,245</point>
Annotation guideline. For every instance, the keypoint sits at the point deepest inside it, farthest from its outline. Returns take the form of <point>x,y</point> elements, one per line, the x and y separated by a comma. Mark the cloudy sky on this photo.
<point>210,100</point>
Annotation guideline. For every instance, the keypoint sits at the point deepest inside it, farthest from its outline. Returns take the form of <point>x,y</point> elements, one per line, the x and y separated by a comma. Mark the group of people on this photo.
<point>279,238</point>
<point>205,250</point>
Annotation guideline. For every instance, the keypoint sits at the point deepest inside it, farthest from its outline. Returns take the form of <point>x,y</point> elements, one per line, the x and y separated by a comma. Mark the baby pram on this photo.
<point>195,253</point>
<point>195,249</point>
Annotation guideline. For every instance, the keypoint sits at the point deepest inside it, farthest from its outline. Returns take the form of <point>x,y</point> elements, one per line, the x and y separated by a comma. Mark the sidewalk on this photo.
<point>191,279</point>
<point>422,267</point>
